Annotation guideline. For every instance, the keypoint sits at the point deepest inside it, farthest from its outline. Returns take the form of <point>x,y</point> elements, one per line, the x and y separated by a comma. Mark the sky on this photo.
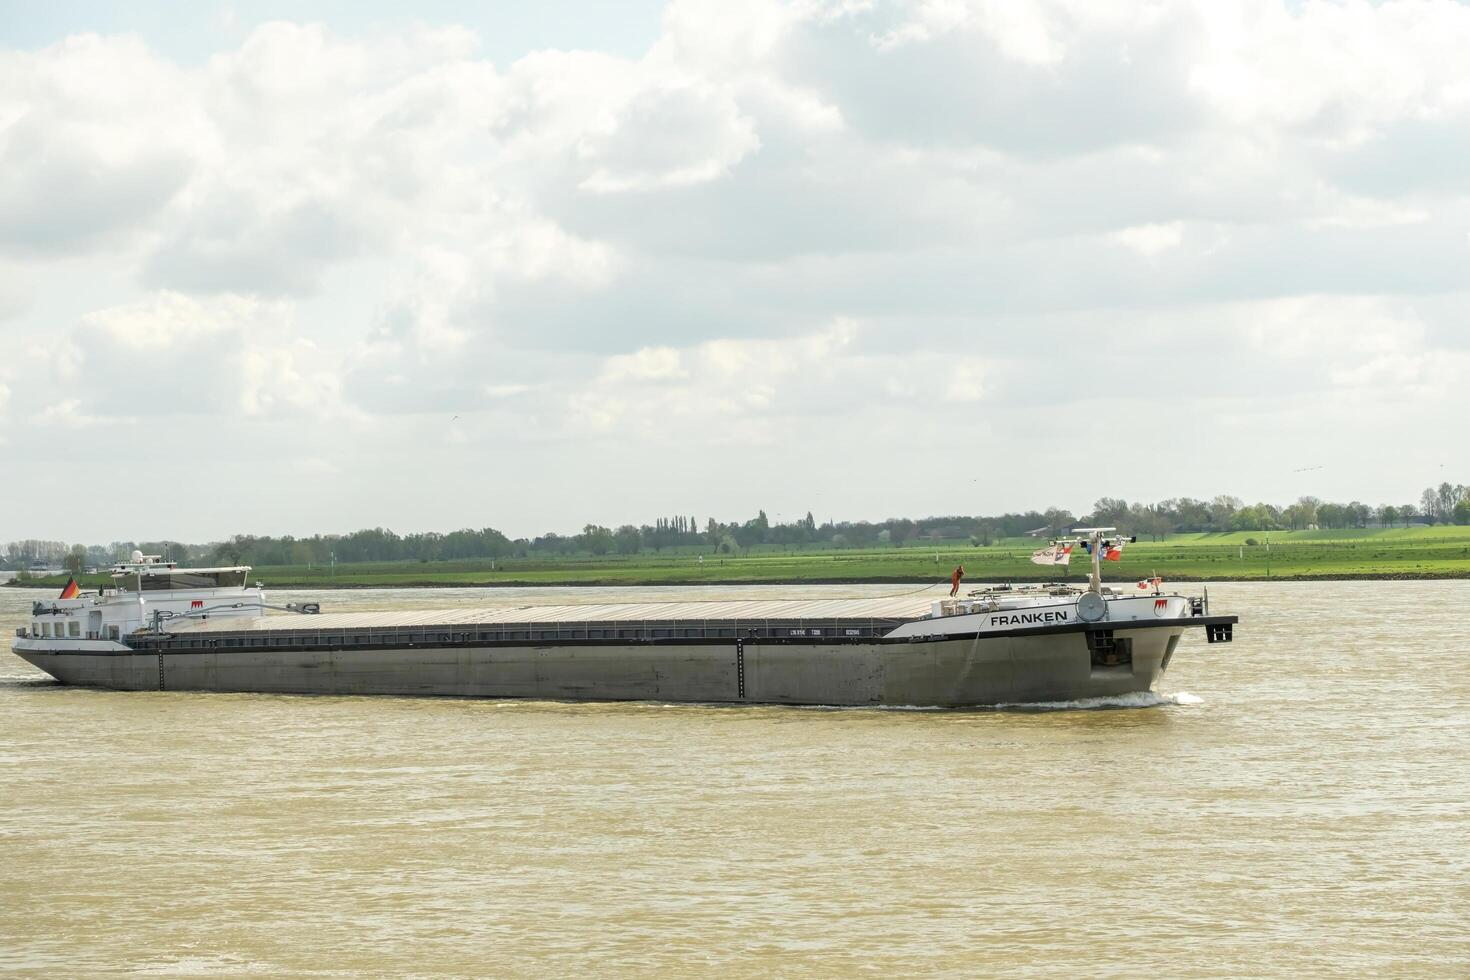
<point>288,268</point>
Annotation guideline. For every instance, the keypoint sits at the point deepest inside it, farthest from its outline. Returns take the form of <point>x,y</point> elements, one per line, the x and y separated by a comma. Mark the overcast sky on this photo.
<point>301,267</point>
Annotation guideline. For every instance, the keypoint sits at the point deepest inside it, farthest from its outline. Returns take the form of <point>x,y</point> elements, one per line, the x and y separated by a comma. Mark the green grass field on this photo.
<point>1420,552</point>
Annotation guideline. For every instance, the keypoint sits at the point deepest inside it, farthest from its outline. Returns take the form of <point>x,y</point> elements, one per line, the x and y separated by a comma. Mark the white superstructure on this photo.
<point>146,591</point>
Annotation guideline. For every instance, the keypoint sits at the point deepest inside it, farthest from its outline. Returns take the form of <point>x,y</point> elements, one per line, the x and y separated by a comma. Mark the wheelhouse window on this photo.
<point>176,580</point>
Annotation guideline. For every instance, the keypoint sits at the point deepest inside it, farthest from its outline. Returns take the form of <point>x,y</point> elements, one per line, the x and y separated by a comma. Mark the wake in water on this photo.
<point>1138,699</point>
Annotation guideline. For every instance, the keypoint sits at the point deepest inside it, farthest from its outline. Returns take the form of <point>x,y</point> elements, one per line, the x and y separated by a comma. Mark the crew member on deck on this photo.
<point>954,580</point>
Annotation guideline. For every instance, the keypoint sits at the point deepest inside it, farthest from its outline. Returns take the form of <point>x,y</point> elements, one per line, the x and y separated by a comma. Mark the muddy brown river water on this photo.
<point>1294,803</point>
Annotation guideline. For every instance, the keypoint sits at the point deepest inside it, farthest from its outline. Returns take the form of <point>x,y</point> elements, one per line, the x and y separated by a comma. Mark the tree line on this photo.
<point>1445,504</point>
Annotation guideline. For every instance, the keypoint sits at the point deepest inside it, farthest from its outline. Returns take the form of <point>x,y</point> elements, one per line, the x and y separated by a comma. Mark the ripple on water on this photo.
<point>1296,807</point>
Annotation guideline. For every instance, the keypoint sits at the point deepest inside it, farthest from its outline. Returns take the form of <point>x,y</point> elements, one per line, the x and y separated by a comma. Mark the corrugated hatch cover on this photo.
<point>725,611</point>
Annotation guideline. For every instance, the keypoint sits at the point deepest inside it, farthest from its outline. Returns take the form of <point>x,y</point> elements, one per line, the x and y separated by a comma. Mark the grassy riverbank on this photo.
<point>1421,552</point>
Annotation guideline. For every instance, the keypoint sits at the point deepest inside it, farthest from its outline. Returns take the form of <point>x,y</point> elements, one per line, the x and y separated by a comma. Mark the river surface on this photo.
<point>1295,803</point>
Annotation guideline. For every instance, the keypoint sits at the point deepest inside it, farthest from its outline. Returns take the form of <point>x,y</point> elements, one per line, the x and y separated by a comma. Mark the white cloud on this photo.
<point>170,320</point>
<point>1335,72</point>
<point>668,137</point>
<point>95,139</point>
<point>966,382</point>
<point>648,364</point>
<point>170,354</point>
<point>291,381</point>
<point>507,391</point>
<point>68,413</point>
<point>1025,33</point>
<point>1150,240</point>
<point>754,390</point>
<point>824,224</point>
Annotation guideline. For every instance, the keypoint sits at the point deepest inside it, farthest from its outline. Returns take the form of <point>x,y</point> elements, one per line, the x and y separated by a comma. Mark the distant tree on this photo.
<point>1059,520</point>
<point>1109,512</point>
<point>1192,515</point>
<point>1302,514</point>
<point>1387,514</point>
<point>596,539</point>
<point>901,530</point>
<point>752,532</point>
<point>1449,494</point>
<point>1153,523</point>
<point>228,553</point>
<point>1257,517</point>
<point>1461,513</point>
<point>627,541</point>
<point>985,533</point>
<point>76,559</point>
<point>1222,511</point>
<point>1429,505</point>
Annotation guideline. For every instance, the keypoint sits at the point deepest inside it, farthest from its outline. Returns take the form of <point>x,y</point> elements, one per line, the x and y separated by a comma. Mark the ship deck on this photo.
<point>630,622</point>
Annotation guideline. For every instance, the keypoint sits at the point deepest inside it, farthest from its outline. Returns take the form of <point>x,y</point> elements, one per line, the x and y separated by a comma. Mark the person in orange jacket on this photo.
<point>954,580</point>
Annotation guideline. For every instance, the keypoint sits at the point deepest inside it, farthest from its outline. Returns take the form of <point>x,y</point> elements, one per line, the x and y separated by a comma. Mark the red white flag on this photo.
<point>1057,554</point>
<point>1113,550</point>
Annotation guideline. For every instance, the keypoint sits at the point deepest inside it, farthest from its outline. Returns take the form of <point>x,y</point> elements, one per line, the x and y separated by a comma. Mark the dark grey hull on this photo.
<point>938,672</point>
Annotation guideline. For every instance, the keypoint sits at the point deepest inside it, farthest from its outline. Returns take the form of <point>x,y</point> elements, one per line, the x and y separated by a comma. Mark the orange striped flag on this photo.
<point>72,590</point>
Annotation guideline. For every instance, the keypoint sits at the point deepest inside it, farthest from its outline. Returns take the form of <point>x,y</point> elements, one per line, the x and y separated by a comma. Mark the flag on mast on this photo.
<point>1113,550</point>
<point>1057,554</point>
<point>72,590</point>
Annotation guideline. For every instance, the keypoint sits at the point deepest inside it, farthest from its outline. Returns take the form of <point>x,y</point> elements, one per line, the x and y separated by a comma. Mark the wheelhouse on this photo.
<point>150,573</point>
<point>175,580</point>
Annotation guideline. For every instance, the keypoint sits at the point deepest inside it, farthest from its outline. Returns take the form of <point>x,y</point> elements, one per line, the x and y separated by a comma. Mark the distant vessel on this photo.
<point>208,629</point>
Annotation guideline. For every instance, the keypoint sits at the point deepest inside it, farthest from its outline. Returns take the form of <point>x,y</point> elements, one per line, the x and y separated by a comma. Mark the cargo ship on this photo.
<point>164,628</point>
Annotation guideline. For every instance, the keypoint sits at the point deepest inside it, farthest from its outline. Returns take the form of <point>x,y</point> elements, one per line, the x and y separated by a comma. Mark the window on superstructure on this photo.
<point>114,633</point>
<point>175,581</point>
<point>73,628</point>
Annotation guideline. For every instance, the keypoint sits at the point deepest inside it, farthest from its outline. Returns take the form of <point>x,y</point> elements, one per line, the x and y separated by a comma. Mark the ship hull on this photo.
<point>939,672</point>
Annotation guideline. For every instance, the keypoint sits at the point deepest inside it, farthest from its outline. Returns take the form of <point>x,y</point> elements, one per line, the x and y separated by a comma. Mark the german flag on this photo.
<point>72,590</point>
